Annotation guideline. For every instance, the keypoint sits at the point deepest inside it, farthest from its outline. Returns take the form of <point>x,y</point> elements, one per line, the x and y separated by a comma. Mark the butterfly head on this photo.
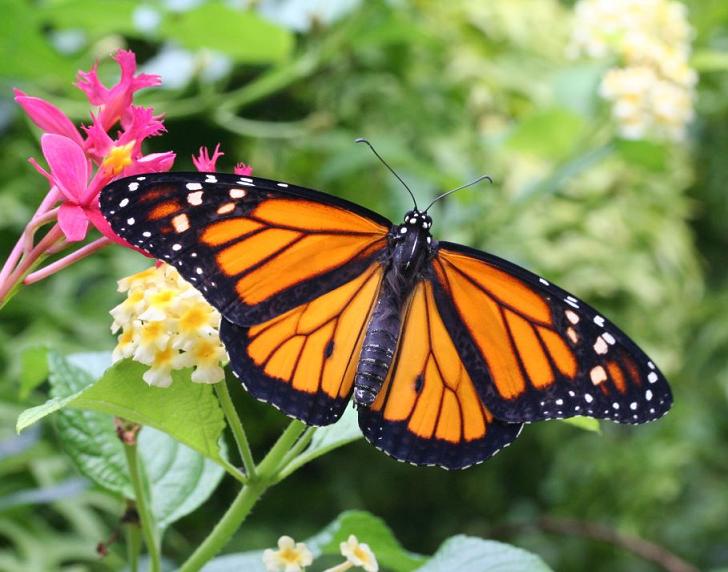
<point>415,221</point>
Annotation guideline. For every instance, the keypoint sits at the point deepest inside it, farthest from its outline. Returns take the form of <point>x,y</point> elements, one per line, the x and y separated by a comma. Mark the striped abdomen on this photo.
<point>380,343</point>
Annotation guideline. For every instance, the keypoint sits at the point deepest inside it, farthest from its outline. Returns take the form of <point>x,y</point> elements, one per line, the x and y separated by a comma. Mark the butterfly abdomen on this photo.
<point>380,343</point>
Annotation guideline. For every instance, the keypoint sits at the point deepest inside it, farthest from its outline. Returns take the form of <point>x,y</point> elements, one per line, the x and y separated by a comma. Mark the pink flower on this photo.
<point>152,163</point>
<point>69,173</point>
<point>204,163</point>
<point>47,116</point>
<point>243,169</point>
<point>115,101</point>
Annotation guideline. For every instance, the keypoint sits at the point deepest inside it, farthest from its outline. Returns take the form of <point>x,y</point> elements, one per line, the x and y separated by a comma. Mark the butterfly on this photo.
<point>445,350</point>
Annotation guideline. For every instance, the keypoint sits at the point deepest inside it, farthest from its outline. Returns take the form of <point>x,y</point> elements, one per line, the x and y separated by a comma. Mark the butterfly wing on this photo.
<point>535,351</point>
<point>255,248</point>
<point>303,361</point>
<point>428,411</point>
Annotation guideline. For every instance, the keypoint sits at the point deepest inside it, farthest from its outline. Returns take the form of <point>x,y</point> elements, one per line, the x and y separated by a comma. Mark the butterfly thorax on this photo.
<point>410,248</point>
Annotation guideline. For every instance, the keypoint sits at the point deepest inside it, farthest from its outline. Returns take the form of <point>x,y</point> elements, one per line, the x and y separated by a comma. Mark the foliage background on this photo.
<point>446,91</point>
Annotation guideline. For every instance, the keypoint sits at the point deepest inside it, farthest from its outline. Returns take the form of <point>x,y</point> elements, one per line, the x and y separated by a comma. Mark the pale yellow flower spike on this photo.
<point>290,556</point>
<point>166,324</point>
<point>652,92</point>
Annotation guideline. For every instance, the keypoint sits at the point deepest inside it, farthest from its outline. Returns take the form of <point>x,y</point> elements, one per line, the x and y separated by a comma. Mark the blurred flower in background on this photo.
<point>166,324</point>
<point>652,87</point>
<point>290,556</point>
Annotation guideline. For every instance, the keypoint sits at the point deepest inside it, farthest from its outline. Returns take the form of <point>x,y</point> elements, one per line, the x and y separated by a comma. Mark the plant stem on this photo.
<point>133,546</point>
<point>246,499</point>
<point>149,528</point>
<point>236,426</point>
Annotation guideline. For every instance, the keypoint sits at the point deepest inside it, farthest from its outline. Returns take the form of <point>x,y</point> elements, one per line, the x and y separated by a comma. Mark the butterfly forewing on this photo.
<point>254,248</point>
<point>535,351</point>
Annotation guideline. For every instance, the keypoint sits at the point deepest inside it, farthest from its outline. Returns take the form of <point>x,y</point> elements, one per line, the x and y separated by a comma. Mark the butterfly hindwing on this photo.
<point>428,411</point>
<point>303,361</point>
<point>255,248</point>
<point>535,351</point>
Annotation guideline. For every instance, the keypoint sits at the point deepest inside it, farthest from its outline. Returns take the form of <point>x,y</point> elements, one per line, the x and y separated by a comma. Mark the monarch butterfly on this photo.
<point>447,350</point>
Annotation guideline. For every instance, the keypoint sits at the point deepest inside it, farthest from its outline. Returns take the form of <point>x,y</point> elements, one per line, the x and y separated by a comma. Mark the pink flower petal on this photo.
<point>69,167</point>
<point>243,169</point>
<point>140,123</point>
<point>73,222</point>
<point>153,163</point>
<point>98,141</point>
<point>47,116</point>
<point>204,163</point>
<point>93,214</point>
<point>89,83</point>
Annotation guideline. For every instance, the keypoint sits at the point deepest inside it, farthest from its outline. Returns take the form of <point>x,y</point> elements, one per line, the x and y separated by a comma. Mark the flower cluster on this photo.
<point>653,90</point>
<point>295,557</point>
<point>80,163</point>
<point>166,324</point>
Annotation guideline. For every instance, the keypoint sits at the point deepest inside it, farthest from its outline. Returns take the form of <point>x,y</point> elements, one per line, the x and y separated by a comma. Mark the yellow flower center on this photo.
<point>193,318</point>
<point>361,555</point>
<point>161,298</point>
<point>126,337</point>
<point>205,351</point>
<point>163,357</point>
<point>151,331</point>
<point>118,158</point>
<point>290,555</point>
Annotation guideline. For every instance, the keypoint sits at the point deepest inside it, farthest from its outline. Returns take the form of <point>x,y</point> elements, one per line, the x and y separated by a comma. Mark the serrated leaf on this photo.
<point>243,36</point>
<point>88,437</point>
<point>189,412</point>
<point>371,530</point>
<point>586,423</point>
<point>180,478</point>
<point>469,554</point>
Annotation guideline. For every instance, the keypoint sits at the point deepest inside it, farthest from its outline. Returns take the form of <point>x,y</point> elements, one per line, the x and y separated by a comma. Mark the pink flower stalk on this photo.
<point>80,164</point>
<point>115,101</point>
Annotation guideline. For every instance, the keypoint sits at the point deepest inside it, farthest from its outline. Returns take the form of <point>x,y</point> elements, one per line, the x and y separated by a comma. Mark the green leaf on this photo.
<point>24,50</point>
<point>33,369</point>
<point>96,18</point>
<point>244,36</point>
<point>369,529</point>
<point>88,437</point>
<point>189,412</point>
<point>552,133</point>
<point>247,561</point>
<point>709,61</point>
<point>644,153</point>
<point>180,478</point>
<point>586,423</point>
<point>469,554</point>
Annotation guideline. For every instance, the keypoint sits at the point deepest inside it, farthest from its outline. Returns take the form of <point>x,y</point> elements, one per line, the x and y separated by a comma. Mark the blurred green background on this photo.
<point>446,91</point>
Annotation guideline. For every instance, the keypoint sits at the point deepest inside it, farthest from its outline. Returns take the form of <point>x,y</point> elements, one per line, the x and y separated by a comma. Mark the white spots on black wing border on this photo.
<point>210,179</point>
<point>123,202</point>
<point>282,185</point>
<point>133,186</point>
<point>193,186</point>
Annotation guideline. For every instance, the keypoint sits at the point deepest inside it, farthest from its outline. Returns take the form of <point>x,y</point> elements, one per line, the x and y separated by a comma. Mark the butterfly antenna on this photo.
<point>470,184</point>
<point>363,140</point>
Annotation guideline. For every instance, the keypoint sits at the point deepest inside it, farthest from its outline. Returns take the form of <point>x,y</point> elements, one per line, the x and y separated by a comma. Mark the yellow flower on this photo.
<point>166,324</point>
<point>290,556</point>
<point>359,554</point>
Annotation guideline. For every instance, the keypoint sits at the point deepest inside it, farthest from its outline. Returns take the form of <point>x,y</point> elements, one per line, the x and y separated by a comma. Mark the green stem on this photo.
<point>133,546</point>
<point>244,502</point>
<point>296,450</point>
<point>149,529</point>
<point>236,426</point>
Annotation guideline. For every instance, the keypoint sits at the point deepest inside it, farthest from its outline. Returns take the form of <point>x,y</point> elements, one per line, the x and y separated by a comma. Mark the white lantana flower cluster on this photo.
<point>166,324</point>
<point>653,91</point>
<point>293,556</point>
